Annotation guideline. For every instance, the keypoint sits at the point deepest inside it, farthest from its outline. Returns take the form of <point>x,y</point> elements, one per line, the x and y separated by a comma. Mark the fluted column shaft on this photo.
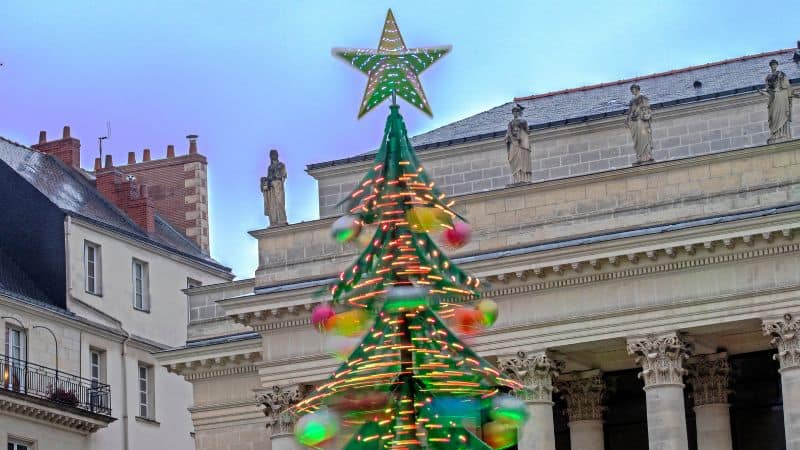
<point>784,334</point>
<point>661,358</point>
<point>536,373</point>
<point>709,377</point>
<point>583,392</point>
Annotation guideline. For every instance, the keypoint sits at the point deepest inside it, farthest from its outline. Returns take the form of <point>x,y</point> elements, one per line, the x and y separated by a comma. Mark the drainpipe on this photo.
<point>125,433</point>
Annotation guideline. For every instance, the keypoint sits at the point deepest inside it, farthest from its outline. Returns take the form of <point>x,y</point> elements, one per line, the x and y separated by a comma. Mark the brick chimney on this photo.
<point>123,191</point>
<point>67,149</point>
<point>177,188</point>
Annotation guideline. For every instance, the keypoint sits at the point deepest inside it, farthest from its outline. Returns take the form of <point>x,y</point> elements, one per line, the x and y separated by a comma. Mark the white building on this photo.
<point>603,269</point>
<point>91,285</point>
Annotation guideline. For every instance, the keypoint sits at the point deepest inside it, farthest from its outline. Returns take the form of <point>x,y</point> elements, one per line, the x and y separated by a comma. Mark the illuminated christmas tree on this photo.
<point>409,382</point>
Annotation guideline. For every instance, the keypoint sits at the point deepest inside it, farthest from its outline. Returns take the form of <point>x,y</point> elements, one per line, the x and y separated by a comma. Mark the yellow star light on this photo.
<point>392,68</point>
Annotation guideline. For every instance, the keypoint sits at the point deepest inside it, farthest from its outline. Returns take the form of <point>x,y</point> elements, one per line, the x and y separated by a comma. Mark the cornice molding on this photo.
<point>611,260</point>
<point>53,416</point>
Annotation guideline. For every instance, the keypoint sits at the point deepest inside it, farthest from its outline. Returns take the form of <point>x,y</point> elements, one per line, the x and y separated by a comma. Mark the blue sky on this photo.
<point>248,76</point>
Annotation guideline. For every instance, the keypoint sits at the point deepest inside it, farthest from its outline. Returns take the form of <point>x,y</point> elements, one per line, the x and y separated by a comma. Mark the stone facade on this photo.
<point>680,132</point>
<point>600,271</point>
<point>709,185</point>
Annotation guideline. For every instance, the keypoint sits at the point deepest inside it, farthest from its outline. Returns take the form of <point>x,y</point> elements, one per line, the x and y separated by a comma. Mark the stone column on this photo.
<point>661,358</point>
<point>277,401</point>
<point>709,375</point>
<point>535,371</point>
<point>784,334</point>
<point>583,392</point>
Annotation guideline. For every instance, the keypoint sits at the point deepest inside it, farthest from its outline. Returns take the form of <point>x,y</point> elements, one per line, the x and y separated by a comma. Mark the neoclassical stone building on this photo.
<point>651,306</point>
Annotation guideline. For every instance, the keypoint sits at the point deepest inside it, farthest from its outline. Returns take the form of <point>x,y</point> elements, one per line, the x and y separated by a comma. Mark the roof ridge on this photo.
<point>653,75</point>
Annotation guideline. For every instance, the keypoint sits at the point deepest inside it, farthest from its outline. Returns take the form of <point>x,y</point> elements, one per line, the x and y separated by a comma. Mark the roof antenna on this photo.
<point>103,138</point>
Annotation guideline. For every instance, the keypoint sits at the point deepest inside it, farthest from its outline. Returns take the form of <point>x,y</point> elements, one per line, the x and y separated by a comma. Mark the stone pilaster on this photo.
<point>784,333</point>
<point>583,392</point>
<point>661,358</point>
<point>277,401</point>
<point>709,376</point>
<point>536,372</point>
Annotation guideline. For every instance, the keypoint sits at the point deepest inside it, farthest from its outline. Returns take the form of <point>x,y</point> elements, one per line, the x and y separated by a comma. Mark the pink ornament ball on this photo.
<point>457,236</point>
<point>320,315</point>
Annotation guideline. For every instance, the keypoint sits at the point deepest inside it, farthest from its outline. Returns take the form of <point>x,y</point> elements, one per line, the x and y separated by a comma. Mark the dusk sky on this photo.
<point>248,76</point>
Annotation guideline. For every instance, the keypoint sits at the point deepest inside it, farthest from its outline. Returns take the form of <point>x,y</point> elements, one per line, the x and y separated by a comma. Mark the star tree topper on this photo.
<point>392,68</point>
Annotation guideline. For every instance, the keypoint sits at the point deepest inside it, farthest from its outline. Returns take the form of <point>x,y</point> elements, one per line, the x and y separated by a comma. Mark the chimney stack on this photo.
<point>146,155</point>
<point>67,149</point>
<point>131,157</point>
<point>109,162</point>
<point>170,151</point>
<point>192,144</point>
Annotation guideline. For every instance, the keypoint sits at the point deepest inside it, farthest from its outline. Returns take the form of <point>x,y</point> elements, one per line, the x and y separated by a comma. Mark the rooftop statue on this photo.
<point>638,121</point>
<point>274,194</point>
<point>779,105</point>
<point>518,147</point>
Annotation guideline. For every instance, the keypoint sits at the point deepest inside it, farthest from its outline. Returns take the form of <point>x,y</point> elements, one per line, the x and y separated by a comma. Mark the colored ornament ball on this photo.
<point>346,228</point>
<point>500,435</point>
<point>508,409</point>
<point>467,320</point>
<point>458,235</point>
<point>316,428</point>
<point>349,323</point>
<point>425,219</point>
<point>320,316</point>
<point>488,310</point>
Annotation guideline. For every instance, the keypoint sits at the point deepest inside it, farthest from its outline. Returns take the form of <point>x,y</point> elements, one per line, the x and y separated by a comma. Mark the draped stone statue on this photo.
<point>779,105</point>
<point>274,194</point>
<point>638,121</point>
<point>518,147</point>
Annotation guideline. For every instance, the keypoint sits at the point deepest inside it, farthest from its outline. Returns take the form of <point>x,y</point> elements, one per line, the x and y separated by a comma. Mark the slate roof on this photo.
<point>74,194</point>
<point>15,282</point>
<point>583,104</point>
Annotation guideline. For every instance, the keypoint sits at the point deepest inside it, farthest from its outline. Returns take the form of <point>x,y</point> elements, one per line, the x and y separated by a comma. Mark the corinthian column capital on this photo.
<point>583,392</point>
<point>535,371</point>
<point>709,376</point>
<point>277,401</point>
<point>661,358</point>
<point>784,338</point>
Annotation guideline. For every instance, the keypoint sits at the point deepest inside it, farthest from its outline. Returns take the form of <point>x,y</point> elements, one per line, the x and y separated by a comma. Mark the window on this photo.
<point>92,267</point>
<point>16,354</point>
<point>15,444</point>
<point>146,384</point>
<point>190,283</point>
<point>141,300</point>
<point>97,366</point>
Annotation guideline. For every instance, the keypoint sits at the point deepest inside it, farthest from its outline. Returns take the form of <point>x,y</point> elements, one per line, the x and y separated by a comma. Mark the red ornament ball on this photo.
<point>467,320</point>
<point>320,315</point>
<point>457,236</point>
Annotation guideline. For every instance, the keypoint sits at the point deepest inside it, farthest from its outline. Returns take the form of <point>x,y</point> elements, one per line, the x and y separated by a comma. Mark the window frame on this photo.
<point>18,443</point>
<point>148,407</point>
<point>140,285</point>
<point>100,365</point>
<point>97,266</point>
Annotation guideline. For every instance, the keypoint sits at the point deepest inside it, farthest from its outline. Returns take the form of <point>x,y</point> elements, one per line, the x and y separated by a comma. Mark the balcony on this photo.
<point>61,398</point>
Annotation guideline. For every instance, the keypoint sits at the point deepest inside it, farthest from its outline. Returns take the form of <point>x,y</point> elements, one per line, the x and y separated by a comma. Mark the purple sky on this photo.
<point>251,75</point>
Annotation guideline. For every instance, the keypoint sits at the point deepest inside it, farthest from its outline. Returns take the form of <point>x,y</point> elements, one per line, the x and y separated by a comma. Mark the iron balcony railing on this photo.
<point>62,388</point>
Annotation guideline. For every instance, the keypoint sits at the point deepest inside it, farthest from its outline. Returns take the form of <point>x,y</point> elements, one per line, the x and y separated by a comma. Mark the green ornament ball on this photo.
<point>345,229</point>
<point>488,309</point>
<point>316,428</point>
